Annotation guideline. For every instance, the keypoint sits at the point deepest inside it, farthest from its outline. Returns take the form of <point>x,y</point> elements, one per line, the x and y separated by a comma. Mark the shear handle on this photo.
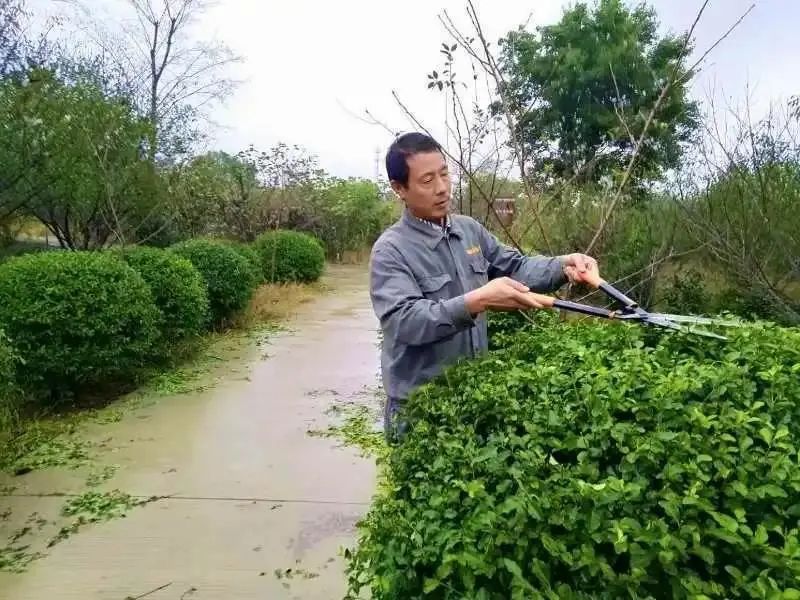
<point>595,311</point>
<point>593,279</point>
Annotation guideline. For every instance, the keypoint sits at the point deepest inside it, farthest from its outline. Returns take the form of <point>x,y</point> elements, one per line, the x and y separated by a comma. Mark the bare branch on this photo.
<point>639,143</point>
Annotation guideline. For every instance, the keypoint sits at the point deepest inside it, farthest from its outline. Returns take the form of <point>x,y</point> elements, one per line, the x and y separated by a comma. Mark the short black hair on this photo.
<point>404,146</point>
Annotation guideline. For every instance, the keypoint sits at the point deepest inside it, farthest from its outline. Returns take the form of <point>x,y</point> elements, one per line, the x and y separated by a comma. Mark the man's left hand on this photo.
<point>580,268</point>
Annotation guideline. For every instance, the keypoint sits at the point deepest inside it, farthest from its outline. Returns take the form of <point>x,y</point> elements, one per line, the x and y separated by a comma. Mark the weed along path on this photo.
<point>239,488</point>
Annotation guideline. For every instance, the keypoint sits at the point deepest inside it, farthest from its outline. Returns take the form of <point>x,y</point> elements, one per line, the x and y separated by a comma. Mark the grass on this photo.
<point>277,302</point>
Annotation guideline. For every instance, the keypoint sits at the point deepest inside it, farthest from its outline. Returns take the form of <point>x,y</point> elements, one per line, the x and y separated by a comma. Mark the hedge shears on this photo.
<point>629,310</point>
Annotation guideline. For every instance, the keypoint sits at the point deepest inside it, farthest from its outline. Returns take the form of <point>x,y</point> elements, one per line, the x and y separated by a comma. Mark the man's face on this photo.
<point>427,194</point>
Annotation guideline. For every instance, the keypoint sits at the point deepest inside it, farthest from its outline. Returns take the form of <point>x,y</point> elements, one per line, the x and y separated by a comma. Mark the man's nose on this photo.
<point>441,185</point>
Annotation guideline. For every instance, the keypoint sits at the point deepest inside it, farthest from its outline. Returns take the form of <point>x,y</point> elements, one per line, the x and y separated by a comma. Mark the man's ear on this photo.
<point>399,189</point>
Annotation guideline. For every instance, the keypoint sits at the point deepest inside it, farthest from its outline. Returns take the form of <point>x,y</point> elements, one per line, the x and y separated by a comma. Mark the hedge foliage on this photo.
<point>228,275</point>
<point>9,393</point>
<point>597,461</point>
<point>252,256</point>
<point>290,256</point>
<point>71,321</point>
<point>76,318</point>
<point>178,290</point>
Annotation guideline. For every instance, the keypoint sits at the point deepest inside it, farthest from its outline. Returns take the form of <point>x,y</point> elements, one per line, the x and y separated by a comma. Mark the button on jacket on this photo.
<point>419,274</point>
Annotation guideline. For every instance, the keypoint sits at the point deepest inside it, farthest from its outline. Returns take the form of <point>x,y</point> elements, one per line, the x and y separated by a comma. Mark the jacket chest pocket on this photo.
<point>479,269</point>
<point>435,287</point>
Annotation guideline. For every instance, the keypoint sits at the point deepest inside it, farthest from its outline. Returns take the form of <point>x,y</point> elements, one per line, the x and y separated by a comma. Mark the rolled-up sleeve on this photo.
<point>540,273</point>
<point>402,308</point>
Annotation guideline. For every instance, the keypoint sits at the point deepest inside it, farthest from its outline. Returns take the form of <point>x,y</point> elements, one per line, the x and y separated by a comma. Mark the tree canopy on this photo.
<point>583,88</point>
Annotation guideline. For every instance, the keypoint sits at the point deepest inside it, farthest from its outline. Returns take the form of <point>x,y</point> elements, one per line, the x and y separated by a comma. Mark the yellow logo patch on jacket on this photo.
<point>473,250</point>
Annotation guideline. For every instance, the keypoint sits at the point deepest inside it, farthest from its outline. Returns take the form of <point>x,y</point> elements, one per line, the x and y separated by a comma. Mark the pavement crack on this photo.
<point>254,499</point>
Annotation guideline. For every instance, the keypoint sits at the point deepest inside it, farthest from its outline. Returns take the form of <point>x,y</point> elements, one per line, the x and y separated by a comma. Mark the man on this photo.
<point>433,275</point>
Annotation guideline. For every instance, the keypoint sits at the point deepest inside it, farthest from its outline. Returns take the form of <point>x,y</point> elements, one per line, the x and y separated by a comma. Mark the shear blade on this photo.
<point>696,320</point>
<point>664,322</point>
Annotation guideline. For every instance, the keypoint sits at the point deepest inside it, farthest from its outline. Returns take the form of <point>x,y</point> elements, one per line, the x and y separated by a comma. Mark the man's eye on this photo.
<point>427,180</point>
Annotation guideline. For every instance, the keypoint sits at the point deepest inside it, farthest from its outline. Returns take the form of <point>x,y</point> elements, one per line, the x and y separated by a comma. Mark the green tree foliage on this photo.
<point>71,156</point>
<point>228,275</point>
<point>216,194</point>
<point>178,289</point>
<point>76,318</point>
<point>569,83</point>
<point>241,196</point>
<point>348,215</point>
<point>290,256</point>
<point>743,209</point>
<point>591,461</point>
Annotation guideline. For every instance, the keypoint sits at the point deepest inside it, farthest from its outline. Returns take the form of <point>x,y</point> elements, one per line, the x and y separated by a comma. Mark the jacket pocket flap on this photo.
<point>479,264</point>
<point>434,283</point>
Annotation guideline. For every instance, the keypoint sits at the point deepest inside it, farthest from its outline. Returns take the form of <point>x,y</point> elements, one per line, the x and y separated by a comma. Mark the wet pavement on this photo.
<point>248,505</point>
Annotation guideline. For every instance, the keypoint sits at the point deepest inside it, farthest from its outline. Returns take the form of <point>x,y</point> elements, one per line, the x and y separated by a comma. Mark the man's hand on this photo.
<point>580,268</point>
<point>503,294</point>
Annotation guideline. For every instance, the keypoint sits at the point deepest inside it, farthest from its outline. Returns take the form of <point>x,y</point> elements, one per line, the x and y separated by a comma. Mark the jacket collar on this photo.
<point>431,233</point>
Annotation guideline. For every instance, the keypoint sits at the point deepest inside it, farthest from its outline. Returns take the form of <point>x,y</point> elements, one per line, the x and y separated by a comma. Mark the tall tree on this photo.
<point>582,90</point>
<point>172,75</point>
<point>75,157</point>
<point>11,40</point>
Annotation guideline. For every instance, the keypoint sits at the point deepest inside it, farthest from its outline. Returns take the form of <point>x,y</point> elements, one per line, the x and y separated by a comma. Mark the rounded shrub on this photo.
<point>253,258</point>
<point>290,256</point>
<point>597,461</point>
<point>178,289</point>
<point>227,274</point>
<point>76,318</point>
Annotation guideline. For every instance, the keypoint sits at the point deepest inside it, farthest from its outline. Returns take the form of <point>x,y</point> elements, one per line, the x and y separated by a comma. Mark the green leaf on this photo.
<point>726,521</point>
<point>430,584</point>
<point>765,434</point>
<point>513,567</point>
<point>761,536</point>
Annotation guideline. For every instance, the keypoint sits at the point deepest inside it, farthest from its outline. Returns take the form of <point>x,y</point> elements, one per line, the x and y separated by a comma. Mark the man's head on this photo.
<point>417,170</point>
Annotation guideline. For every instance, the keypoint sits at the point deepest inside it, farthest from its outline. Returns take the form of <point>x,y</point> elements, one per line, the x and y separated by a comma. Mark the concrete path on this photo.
<point>256,507</point>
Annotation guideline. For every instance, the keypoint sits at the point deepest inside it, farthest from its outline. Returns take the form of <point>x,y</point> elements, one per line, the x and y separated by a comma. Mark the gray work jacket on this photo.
<point>419,275</point>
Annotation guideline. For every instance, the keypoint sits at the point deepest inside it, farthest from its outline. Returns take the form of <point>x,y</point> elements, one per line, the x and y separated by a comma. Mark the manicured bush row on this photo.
<point>73,320</point>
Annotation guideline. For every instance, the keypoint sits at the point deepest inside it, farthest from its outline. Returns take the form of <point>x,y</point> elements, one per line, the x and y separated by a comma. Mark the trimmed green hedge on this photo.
<point>9,393</point>
<point>597,461</point>
<point>252,257</point>
<point>76,318</point>
<point>228,275</point>
<point>290,256</point>
<point>178,289</point>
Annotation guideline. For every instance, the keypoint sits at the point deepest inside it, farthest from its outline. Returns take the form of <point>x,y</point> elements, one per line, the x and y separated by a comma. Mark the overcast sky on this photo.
<point>309,64</point>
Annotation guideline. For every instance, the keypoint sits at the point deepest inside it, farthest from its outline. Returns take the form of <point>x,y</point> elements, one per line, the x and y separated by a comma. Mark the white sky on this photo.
<point>308,62</point>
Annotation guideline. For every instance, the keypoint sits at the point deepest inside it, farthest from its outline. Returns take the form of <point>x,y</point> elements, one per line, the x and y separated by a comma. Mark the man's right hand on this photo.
<point>503,294</point>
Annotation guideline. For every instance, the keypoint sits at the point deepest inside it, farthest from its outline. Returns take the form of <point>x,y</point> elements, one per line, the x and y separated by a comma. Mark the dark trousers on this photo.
<point>394,425</point>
